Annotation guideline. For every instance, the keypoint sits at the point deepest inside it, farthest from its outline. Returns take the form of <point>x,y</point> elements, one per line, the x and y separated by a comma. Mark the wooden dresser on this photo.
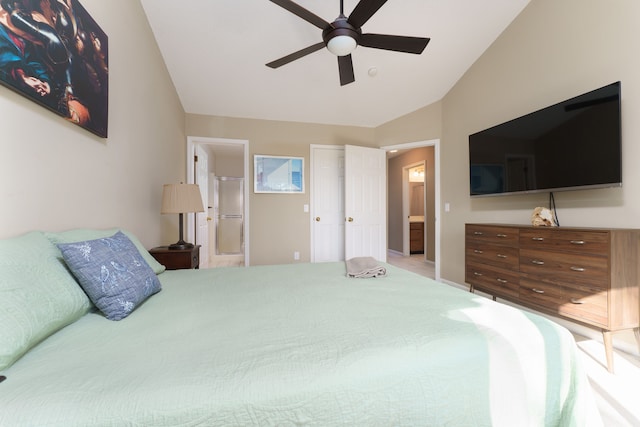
<point>589,275</point>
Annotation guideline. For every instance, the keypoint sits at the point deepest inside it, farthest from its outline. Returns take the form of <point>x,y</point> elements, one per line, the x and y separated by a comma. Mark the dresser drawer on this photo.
<point>579,241</point>
<point>501,256</point>
<point>492,234</point>
<point>588,305</point>
<point>547,295</point>
<point>566,268</point>
<point>493,280</point>
<point>583,304</point>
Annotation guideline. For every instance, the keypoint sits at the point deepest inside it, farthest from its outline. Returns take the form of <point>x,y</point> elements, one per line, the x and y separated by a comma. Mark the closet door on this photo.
<point>365,202</point>
<point>327,192</point>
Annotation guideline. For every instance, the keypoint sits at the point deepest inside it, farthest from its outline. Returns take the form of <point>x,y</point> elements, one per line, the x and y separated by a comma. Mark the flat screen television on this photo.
<point>575,144</point>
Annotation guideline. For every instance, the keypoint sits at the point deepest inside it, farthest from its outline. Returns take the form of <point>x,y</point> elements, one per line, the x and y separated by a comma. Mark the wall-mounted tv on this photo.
<point>575,144</point>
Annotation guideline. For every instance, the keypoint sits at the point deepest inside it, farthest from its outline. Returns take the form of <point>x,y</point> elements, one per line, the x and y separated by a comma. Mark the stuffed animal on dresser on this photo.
<point>543,217</point>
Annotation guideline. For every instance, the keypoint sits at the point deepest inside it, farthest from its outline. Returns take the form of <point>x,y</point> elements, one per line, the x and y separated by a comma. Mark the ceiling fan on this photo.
<point>344,34</point>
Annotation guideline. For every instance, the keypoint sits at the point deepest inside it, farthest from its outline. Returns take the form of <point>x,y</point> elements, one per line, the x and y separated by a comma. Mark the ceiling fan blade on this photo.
<point>364,11</point>
<point>302,13</point>
<point>295,55</point>
<point>396,43</point>
<point>345,66</point>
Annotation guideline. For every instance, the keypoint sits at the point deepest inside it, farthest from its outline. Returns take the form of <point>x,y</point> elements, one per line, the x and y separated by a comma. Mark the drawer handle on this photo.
<point>576,301</point>
<point>580,269</point>
<point>537,262</point>
<point>478,251</point>
<point>501,256</point>
<point>502,280</point>
<point>475,273</point>
<point>478,233</point>
<point>538,239</point>
<point>577,242</point>
<point>502,236</point>
<point>537,291</point>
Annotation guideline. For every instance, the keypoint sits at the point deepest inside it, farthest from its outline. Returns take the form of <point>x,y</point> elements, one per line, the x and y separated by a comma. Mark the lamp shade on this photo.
<point>181,198</point>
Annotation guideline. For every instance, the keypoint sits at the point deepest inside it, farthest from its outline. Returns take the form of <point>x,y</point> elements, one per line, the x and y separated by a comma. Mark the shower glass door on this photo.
<point>229,211</point>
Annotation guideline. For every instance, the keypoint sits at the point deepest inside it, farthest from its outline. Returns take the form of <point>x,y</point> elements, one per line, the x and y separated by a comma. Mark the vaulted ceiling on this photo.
<point>216,51</point>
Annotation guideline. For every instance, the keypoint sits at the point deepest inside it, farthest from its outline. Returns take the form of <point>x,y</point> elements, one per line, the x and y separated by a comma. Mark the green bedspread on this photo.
<point>302,344</point>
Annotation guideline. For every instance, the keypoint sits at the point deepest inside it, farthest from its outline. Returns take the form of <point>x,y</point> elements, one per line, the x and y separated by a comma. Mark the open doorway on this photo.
<point>417,211</point>
<point>227,162</point>
<point>401,158</point>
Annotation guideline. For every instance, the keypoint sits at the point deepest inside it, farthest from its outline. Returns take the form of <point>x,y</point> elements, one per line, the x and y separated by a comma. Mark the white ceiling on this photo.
<point>216,51</point>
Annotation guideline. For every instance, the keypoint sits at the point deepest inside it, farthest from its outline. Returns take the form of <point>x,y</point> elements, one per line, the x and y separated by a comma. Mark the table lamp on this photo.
<point>181,199</point>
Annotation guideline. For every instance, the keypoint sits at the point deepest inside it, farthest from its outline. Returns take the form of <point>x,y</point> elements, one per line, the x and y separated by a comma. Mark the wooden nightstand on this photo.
<point>176,259</point>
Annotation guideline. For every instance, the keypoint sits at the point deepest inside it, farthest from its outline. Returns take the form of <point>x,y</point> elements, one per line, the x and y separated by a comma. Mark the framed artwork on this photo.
<point>278,174</point>
<point>54,53</point>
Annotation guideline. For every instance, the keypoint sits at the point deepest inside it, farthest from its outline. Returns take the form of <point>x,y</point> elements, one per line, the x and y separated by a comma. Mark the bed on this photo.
<point>298,345</point>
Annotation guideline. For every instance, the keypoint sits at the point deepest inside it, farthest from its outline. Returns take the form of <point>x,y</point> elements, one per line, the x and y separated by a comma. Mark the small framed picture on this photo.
<point>278,174</point>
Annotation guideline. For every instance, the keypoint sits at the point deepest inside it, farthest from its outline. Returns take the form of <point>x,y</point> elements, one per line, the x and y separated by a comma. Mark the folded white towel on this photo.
<point>363,267</point>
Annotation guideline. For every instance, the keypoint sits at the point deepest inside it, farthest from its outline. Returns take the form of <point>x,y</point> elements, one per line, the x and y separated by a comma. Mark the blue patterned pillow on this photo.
<point>82,234</point>
<point>112,273</point>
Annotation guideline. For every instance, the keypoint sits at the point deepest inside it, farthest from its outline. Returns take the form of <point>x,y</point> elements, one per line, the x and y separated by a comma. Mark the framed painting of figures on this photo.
<point>54,53</point>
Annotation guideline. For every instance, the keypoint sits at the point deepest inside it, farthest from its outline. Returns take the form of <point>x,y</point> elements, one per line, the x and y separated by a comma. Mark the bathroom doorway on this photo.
<point>228,158</point>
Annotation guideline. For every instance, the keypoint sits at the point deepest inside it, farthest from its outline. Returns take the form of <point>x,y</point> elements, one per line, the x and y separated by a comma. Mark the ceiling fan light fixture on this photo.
<point>342,45</point>
<point>343,35</point>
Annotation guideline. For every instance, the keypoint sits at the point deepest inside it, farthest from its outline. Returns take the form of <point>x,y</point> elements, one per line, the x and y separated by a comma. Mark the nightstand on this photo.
<point>176,259</point>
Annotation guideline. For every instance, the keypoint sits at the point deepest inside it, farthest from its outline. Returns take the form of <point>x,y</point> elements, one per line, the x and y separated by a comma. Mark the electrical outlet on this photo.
<point>296,255</point>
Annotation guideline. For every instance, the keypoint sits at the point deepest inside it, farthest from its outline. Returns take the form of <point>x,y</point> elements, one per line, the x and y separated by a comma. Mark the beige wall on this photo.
<point>278,224</point>
<point>228,165</point>
<point>553,51</point>
<point>55,175</point>
<point>424,124</point>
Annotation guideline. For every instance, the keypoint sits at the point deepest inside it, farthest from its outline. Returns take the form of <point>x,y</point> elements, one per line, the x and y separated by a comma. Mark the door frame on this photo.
<point>435,143</point>
<point>192,141</point>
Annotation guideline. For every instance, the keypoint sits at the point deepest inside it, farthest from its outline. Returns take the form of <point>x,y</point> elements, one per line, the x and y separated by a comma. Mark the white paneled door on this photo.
<point>365,202</point>
<point>327,216</point>
<point>348,216</point>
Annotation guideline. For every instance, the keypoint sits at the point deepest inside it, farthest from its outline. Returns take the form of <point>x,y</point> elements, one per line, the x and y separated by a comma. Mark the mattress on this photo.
<point>302,345</point>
